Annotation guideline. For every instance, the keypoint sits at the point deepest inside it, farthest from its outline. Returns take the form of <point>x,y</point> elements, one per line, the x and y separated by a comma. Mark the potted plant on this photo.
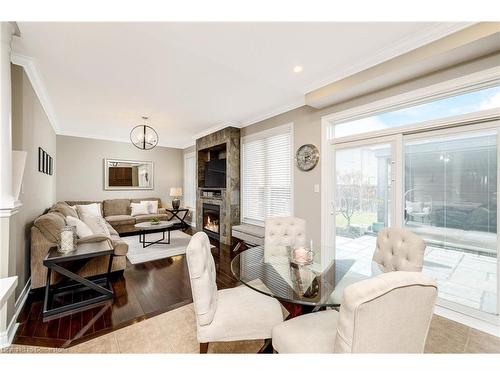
<point>155,221</point>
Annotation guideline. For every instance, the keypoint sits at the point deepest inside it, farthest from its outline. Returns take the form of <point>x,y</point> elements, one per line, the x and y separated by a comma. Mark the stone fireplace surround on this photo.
<point>228,198</point>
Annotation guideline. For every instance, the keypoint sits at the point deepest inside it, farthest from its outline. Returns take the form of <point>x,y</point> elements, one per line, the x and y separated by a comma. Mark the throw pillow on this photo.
<point>139,209</point>
<point>96,224</point>
<point>152,206</point>
<point>64,209</point>
<point>93,209</point>
<point>82,229</point>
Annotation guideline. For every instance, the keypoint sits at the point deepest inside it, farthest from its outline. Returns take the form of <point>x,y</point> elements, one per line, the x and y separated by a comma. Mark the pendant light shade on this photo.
<point>143,136</point>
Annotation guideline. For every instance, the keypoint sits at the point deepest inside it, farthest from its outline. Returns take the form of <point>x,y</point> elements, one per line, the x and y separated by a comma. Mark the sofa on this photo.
<point>45,233</point>
<point>117,213</point>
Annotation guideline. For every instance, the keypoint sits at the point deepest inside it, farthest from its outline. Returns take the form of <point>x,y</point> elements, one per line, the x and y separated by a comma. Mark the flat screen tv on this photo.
<point>215,173</point>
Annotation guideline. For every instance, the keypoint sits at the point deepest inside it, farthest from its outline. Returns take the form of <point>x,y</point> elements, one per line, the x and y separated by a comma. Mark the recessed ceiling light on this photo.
<point>297,69</point>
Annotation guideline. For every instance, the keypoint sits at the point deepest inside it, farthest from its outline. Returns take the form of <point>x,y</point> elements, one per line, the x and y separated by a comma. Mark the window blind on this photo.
<point>190,181</point>
<point>266,176</point>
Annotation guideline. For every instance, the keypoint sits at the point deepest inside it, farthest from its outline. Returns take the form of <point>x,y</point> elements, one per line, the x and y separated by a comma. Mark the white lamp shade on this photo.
<point>176,192</point>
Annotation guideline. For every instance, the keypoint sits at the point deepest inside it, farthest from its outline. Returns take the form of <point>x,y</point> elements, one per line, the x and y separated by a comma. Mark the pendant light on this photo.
<point>143,136</point>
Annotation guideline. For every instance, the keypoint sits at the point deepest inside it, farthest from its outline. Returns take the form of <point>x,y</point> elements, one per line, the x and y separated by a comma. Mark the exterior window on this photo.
<point>438,179</point>
<point>266,175</point>
<point>464,103</point>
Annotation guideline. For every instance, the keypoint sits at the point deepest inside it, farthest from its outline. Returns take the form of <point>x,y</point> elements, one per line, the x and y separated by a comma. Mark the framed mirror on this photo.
<point>128,175</point>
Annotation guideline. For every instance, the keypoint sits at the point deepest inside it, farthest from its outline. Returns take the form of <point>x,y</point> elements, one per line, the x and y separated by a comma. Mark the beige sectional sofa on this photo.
<point>46,231</point>
<point>117,213</point>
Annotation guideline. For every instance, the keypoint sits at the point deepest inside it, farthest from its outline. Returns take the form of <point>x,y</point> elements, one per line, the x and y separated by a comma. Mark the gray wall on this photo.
<point>80,169</point>
<point>30,129</point>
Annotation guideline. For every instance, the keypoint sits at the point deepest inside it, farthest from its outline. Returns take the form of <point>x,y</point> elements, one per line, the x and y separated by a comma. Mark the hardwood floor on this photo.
<point>142,291</point>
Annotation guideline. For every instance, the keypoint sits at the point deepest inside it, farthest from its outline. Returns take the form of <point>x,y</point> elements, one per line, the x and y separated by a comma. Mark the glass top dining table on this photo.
<point>314,285</point>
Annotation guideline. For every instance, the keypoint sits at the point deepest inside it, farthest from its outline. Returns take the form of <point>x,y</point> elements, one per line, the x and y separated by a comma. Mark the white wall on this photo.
<point>80,169</point>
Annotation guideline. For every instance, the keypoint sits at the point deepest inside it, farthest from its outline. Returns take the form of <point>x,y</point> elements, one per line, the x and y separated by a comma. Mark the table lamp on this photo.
<point>176,193</point>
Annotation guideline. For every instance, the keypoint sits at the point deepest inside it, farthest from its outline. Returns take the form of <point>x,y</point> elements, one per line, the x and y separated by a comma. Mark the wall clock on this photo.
<point>306,157</point>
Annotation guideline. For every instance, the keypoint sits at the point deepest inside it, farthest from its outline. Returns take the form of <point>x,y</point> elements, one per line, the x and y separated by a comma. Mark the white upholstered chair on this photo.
<point>229,314</point>
<point>396,250</point>
<point>399,249</point>
<point>281,232</point>
<point>389,313</point>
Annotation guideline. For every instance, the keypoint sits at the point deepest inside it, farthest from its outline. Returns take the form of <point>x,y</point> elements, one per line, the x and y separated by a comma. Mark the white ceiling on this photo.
<point>99,78</point>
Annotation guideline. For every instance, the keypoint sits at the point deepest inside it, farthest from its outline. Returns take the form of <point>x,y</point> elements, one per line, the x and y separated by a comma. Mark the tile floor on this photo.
<point>170,332</point>
<point>462,277</point>
<point>175,332</point>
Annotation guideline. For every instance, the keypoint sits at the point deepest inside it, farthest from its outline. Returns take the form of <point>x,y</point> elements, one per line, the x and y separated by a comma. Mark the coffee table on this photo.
<point>148,228</point>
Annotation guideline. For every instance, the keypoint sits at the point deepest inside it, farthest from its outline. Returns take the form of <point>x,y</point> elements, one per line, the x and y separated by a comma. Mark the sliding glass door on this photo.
<point>363,197</point>
<point>442,185</point>
<point>450,200</point>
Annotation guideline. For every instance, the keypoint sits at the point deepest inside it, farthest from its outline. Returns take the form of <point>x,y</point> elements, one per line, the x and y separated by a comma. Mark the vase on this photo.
<point>68,239</point>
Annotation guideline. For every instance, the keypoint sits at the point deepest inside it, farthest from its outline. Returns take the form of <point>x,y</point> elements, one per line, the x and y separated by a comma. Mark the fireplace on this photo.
<point>218,198</point>
<point>211,220</point>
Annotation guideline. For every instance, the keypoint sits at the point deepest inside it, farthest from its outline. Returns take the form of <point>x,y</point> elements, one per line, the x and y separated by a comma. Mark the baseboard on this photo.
<point>7,337</point>
<point>481,325</point>
<point>23,297</point>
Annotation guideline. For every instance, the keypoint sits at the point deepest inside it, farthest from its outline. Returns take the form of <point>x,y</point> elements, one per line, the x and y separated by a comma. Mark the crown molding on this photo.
<point>214,128</point>
<point>291,105</point>
<point>393,50</point>
<point>113,139</point>
<point>189,144</point>
<point>35,77</point>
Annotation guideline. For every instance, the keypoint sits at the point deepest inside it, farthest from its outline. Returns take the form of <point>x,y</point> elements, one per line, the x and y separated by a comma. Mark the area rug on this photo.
<point>137,254</point>
<point>170,332</point>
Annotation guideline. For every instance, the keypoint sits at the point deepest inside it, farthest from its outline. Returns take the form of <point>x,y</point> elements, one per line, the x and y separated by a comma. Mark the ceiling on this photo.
<point>97,79</point>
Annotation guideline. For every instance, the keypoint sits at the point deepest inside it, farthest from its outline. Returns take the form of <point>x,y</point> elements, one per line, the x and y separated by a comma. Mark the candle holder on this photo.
<point>300,255</point>
<point>68,239</point>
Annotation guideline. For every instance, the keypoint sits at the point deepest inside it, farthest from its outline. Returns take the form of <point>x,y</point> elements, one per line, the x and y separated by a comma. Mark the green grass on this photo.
<point>358,218</point>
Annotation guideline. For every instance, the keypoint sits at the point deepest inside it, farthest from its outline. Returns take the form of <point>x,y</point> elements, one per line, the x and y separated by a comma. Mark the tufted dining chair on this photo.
<point>396,250</point>
<point>230,314</point>
<point>399,250</point>
<point>281,232</point>
<point>389,313</point>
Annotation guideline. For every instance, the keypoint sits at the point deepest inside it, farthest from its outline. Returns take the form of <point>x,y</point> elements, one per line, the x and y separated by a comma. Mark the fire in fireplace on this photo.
<point>211,215</point>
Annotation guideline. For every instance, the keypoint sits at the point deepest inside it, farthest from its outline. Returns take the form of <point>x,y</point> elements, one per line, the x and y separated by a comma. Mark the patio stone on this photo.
<point>475,304</point>
<point>489,302</point>
<point>464,278</point>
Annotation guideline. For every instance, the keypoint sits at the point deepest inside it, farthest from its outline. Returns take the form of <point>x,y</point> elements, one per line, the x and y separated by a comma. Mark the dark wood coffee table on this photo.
<point>56,261</point>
